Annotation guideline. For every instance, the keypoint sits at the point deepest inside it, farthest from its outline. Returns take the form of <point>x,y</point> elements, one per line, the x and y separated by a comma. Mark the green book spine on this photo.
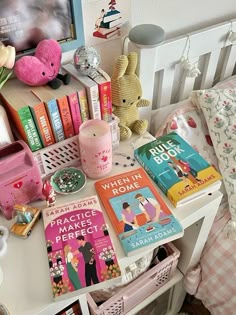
<point>29,126</point>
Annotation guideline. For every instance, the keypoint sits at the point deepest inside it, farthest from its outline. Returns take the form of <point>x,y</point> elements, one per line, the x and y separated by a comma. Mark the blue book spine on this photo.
<point>55,120</point>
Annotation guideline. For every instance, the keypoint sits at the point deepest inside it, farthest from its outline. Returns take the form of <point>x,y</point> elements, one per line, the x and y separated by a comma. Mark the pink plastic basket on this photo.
<point>139,289</point>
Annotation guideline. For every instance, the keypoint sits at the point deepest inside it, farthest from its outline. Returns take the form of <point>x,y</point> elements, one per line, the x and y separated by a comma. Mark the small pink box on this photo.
<point>20,180</point>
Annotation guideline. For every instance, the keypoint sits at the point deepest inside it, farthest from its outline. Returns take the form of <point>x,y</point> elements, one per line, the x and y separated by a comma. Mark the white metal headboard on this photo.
<point>164,81</point>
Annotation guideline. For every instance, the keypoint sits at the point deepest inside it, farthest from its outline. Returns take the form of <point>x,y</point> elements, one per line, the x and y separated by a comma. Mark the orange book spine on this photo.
<point>43,124</point>
<point>65,114</point>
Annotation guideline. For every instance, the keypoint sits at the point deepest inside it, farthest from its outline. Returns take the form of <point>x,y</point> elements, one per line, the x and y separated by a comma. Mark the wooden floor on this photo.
<point>193,306</point>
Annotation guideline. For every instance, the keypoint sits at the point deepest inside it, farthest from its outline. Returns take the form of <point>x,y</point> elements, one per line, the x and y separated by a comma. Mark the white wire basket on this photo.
<point>57,156</point>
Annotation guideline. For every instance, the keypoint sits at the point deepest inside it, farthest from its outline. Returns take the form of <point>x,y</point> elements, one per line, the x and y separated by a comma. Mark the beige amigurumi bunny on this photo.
<point>126,96</point>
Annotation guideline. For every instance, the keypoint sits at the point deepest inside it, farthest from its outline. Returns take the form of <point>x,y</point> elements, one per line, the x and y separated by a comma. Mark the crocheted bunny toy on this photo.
<point>126,96</point>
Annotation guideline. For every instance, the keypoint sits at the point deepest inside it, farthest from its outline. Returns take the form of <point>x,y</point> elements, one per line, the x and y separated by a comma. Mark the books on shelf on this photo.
<point>104,30</point>
<point>60,95</point>
<point>82,99</point>
<point>106,35</point>
<point>73,101</point>
<point>111,24</point>
<point>80,253</point>
<point>91,90</point>
<point>104,86</point>
<point>42,122</point>
<point>71,93</point>
<point>83,102</point>
<point>64,109</point>
<point>111,16</point>
<point>137,211</point>
<point>16,98</point>
<point>52,110</point>
<point>178,170</point>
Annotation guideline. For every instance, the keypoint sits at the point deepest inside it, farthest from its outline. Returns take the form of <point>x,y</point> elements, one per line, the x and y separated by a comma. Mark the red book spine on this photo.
<point>105,100</point>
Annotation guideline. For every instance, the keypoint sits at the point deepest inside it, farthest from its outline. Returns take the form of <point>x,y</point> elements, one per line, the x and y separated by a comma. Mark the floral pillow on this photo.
<point>219,109</point>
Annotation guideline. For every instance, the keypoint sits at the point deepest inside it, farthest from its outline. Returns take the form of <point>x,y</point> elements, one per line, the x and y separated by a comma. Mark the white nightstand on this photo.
<point>26,287</point>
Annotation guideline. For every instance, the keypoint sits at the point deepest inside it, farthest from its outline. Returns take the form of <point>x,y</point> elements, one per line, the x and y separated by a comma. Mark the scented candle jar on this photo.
<point>95,144</point>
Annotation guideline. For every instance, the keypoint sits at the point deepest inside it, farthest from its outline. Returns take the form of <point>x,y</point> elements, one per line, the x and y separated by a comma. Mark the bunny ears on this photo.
<point>125,65</point>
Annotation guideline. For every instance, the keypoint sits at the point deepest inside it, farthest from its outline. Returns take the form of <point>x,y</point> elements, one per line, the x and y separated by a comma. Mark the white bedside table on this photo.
<point>26,287</point>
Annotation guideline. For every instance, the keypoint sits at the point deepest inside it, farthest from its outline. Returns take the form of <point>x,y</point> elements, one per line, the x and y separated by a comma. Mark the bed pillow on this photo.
<point>219,109</point>
<point>161,115</point>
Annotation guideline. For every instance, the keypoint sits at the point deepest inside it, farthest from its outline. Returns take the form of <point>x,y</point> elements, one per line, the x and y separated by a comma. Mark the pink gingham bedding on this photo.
<point>213,280</point>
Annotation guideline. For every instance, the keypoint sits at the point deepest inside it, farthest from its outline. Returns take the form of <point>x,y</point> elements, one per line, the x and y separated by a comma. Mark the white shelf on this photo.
<point>26,287</point>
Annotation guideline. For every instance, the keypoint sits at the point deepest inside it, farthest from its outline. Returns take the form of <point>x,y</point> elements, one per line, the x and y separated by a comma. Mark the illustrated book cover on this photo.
<point>179,171</point>
<point>80,252</point>
<point>105,20</point>
<point>137,211</point>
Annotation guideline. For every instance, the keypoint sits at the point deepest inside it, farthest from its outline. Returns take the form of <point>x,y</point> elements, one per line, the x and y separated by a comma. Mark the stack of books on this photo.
<point>110,25</point>
<point>42,116</point>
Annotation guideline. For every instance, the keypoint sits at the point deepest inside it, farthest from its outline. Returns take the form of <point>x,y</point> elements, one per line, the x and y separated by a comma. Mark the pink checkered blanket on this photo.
<point>215,283</point>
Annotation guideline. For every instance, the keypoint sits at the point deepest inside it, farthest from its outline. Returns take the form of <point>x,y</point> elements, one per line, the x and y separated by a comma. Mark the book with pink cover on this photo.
<point>79,249</point>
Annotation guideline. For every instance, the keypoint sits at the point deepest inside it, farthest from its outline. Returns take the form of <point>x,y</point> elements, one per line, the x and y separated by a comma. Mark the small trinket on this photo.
<point>49,193</point>
<point>68,180</point>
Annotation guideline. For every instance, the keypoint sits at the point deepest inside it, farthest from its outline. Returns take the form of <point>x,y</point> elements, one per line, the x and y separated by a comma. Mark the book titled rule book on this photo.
<point>137,211</point>
<point>80,252</point>
<point>179,171</point>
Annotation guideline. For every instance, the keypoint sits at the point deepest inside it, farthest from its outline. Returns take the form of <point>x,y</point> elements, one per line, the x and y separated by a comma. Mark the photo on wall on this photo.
<point>105,20</point>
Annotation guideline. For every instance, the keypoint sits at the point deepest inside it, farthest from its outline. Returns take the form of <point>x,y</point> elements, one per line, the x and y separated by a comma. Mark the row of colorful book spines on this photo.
<point>57,120</point>
<point>47,124</point>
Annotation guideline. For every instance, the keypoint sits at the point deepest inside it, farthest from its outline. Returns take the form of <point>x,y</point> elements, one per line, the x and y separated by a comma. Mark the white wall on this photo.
<point>176,17</point>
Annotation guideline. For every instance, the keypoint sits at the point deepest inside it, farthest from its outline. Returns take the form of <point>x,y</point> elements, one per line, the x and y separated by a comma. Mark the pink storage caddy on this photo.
<point>20,180</point>
<point>138,290</point>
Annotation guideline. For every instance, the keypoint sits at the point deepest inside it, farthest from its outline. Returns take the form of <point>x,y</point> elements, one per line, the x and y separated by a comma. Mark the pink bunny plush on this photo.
<point>42,68</point>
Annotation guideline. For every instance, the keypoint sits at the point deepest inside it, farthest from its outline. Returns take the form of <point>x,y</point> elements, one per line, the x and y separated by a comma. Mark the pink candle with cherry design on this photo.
<point>95,144</point>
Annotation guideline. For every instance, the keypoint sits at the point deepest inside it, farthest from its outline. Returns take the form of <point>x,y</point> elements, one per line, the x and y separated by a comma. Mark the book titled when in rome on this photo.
<point>80,252</point>
<point>137,211</point>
